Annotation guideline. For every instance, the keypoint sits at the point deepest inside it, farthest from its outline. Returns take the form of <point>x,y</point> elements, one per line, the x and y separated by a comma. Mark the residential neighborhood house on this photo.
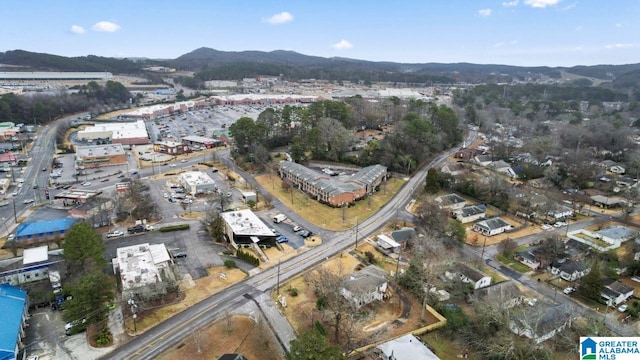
<point>542,322</point>
<point>469,276</point>
<point>493,226</point>
<point>470,213</point>
<point>365,286</point>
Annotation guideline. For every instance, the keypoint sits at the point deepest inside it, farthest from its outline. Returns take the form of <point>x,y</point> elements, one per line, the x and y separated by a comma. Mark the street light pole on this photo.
<point>356,232</point>
<point>134,307</point>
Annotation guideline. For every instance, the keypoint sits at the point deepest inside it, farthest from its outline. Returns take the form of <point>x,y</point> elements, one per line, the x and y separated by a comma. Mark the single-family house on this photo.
<point>528,258</point>
<point>452,168</point>
<point>470,213</point>
<point>615,292</point>
<point>617,169</point>
<point>616,235</point>
<point>469,276</point>
<point>468,153</point>
<point>483,160</point>
<point>451,202</point>
<point>542,322</point>
<point>505,294</point>
<point>387,244</point>
<point>406,347</point>
<point>403,235</point>
<point>569,270</point>
<point>493,226</point>
<point>503,167</point>
<point>607,201</point>
<point>560,212</point>
<point>365,286</point>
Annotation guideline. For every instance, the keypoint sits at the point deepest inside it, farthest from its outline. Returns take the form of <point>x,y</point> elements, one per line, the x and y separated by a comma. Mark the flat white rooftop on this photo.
<point>118,130</point>
<point>99,150</point>
<point>245,222</point>
<point>139,264</point>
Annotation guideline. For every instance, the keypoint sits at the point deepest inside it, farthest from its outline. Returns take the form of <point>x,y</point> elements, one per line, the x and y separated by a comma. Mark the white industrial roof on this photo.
<point>196,178</point>
<point>245,222</point>
<point>99,150</point>
<point>407,347</point>
<point>35,255</point>
<point>119,130</point>
<point>388,242</point>
<point>139,264</point>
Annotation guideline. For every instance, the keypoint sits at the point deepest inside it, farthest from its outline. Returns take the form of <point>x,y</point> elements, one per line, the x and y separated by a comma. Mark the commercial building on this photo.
<point>142,269</point>
<point>244,227</point>
<point>170,148</point>
<point>126,133</point>
<point>197,182</point>
<point>201,141</point>
<point>14,315</point>
<point>261,99</point>
<point>35,265</point>
<point>93,156</point>
<point>334,191</point>
<point>54,75</point>
<point>45,230</point>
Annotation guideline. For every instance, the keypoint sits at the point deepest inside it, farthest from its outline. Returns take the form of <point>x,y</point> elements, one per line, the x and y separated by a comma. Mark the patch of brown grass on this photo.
<point>325,216</point>
<point>233,334</point>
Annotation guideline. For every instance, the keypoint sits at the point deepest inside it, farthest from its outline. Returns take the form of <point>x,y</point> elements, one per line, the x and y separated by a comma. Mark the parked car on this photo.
<point>304,233</point>
<point>546,227</point>
<point>115,233</point>
<point>136,229</point>
<point>282,239</point>
<point>180,255</point>
<point>11,237</point>
<point>183,160</point>
<point>15,193</point>
<point>275,232</point>
<point>74,327</point>
<point>86,183</point>
<point>569,290</point>
<point>560,224</point>
<point>297,228</point>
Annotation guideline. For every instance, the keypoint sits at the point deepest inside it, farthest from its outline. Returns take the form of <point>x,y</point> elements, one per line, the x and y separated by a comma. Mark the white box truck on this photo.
<point>279,218</point>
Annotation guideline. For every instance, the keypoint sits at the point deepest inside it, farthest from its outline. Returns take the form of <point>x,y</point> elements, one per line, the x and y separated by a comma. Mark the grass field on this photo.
<point>325,216</point>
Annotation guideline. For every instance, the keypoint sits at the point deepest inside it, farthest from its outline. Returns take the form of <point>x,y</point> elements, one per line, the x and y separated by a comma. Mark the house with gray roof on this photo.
<point>469,276</point>
<point>451,202</point>
<point>470,213</point>
<point>365,286</point>
<point>505,294</point>
<point>334,191</point>
<point>569,270</point>
<point>493,226</point>
<point>542,322</point>
<point>528,257</point>
<point>615,292</point>
<point>403,235</point>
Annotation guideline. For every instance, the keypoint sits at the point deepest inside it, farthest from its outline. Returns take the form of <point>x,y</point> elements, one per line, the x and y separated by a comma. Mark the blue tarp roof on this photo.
<point>12,302</point>
<point>41,228</point>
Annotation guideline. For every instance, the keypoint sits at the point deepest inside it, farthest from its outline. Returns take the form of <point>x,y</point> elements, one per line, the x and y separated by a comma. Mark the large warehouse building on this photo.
<point>93,156</point>
<point>126,133</point>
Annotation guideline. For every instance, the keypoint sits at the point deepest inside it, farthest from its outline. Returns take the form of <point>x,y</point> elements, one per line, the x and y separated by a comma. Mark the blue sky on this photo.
<point>512,32</point>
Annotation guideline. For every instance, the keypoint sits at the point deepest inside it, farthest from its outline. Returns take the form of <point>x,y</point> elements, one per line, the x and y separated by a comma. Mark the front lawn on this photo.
<point>513,263</point>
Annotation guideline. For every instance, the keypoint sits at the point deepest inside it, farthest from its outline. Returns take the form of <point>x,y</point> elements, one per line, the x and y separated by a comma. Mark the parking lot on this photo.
<point>284,228</point>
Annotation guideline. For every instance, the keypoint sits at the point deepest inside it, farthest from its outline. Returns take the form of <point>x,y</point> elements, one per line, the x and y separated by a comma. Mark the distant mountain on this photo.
<point>46,62</point>
<point>211,64</point>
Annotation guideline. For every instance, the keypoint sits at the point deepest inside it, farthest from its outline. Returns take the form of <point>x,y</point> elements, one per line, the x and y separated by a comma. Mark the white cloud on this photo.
<point>343,44</point>
<point>281,18</point>
<point>78,30</point>
<point>484,12</point>
<point>618,25</point>
<point>105,26</point>
<point>618,46</point>
<point>510,3</point>
<point>541,3</point>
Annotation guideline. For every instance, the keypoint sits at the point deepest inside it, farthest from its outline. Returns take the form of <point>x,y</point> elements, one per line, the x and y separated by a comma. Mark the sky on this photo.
<point>510,32</point>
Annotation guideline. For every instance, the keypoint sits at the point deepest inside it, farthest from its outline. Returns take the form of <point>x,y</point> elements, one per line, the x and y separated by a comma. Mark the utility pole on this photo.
<point>483,245</point>
<point>15,216</point>
<point>356,232</point>
<point>278,281</point>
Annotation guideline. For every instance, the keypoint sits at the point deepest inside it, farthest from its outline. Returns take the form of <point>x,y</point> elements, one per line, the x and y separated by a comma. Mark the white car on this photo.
<point>86,183</point>
<point>546,227</point>
<point>172,165</point>
<point>28,201</point>
<point>115,233</point>
<point>560,224</point>
<point>165,195</point>
<point>184,160</point>
<point>569,290</point>
<point>622,308</point>
<point>15,193</point>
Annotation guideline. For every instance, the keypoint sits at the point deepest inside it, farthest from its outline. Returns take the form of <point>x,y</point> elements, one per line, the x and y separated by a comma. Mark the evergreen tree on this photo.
<point>312,345</point>
<point>432,183</point>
